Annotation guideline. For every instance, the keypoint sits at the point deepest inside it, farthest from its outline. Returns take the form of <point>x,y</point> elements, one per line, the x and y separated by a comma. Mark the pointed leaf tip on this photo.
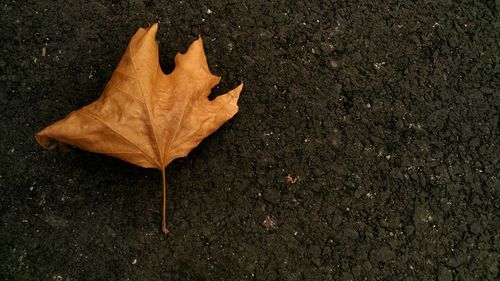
<point>236,94</point>
<point>194,59</point>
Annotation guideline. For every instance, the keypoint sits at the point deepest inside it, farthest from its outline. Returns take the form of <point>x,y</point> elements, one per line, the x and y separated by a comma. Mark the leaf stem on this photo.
<point>164,209</point>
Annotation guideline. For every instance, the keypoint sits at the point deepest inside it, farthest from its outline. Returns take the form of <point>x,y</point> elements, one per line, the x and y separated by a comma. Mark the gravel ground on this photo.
<point>384,116</point>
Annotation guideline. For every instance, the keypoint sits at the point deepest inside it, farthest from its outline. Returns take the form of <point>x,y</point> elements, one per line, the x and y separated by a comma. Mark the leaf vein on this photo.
<point>146,104</point>
<point>127,94</point>
<point>86,112</point>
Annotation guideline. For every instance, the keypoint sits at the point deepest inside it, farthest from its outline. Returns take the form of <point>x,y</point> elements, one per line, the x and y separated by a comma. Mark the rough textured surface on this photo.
<point>386,111</point>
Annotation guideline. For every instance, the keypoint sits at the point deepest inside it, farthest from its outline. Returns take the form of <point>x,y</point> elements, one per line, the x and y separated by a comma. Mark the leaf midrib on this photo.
<point>160,162</point>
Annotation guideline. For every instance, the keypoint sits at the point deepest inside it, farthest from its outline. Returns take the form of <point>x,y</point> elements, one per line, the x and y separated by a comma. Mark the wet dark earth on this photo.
<point>366,146</point>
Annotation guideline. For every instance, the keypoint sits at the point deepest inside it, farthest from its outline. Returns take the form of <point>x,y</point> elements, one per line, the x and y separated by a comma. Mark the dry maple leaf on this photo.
<point>144,116</point>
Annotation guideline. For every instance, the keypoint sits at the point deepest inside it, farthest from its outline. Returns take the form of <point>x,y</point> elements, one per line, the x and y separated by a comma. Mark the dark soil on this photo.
<point>387,112</point>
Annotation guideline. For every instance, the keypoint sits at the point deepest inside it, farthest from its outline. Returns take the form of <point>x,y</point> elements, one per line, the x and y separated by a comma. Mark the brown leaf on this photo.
<point>144,116</point>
